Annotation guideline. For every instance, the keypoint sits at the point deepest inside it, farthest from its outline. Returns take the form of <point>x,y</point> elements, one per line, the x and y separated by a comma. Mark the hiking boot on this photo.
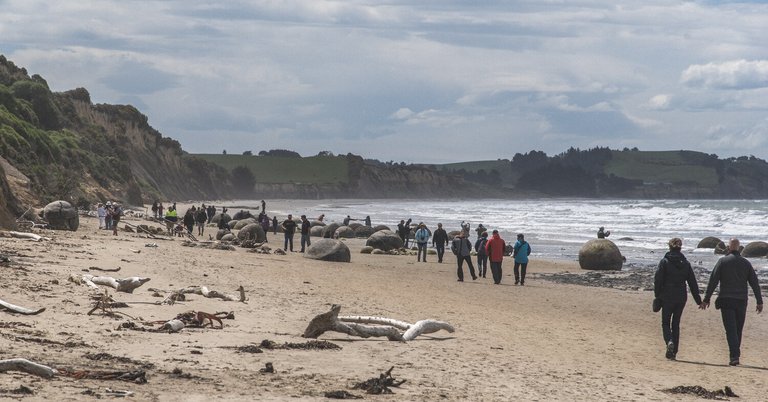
<point>670,351</point>
<point>734,362</point>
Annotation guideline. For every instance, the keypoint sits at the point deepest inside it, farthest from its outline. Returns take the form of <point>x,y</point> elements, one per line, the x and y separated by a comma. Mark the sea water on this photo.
<point>557,228</point>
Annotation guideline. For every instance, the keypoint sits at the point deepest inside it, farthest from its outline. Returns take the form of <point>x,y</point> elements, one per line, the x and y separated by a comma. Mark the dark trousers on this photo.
<point>440,252</point>
<point>495,272</point>
<point>482,265</point>
<point>288,242</point>
<point>422,255</point>
<point>520,274</point>
<point>460,271</point>
<point>734,313</point>
<point>305,242</point>
<point>671,312</point>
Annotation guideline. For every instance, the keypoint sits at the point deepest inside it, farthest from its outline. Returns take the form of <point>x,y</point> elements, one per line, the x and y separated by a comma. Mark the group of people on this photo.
<point>109,215</point>
<point>732,273</point>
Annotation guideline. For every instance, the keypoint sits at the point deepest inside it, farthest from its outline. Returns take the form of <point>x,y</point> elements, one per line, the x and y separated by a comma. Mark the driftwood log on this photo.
<point>25,235</point>
<point>27,366</point>
<point>18,309</point>
<point>127,285</point>
<point>205,292</point>
<point>394,330</point>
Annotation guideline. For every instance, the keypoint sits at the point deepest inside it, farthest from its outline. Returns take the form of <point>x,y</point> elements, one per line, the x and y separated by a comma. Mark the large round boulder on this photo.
<point>380,227</point>
<point>722,248</point>
<point>232,223</point>
<point>453,233</point>
<point>330,229</point>
<point>254,231</point>
<point>243,223</point>
<point>755,249</point>
<point>316,231</point>
<point>328,250</point>
<point>344,232</point>
<point>218,217</point>
<point>228,237</point>
<point>61,215</point>
<point>242,215</point>
<point>221,233</point>
<point>600,254</point>
<point>364,231</point>
<point>316,223</point>
<point>366,250</point>
<point>709,242</point>
<point>355,225</point>
<point>385,240</point>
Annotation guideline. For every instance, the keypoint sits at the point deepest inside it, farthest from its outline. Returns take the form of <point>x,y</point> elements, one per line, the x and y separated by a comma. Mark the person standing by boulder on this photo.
<point>117,212</point>
<point>422,238</point>
<point>602,233</point>
<point>673,272</point>
<point>201,218</point>
<point>189,220</point>
<point>305,226</point>
<point>289,228</point>
<point>733,272</point>
<point>439,241</point>
<point>482,255</point>
<point>274,224</point>
<point>108,215</point>
<point>521,252</point>
<point>101,212</point>
<point>462,248</point>
<point>154,209</point>
<point>368,220</point>
<point>495,248</point>
<point>263,206</point>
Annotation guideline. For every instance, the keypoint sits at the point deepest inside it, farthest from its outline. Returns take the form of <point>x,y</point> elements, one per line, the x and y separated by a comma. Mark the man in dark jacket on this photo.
<point>289,228</point>
<point>673,272</point>
<point>439,241</point>
<point>305,226</point>
<point>733,272</point>
<point>463,249</point>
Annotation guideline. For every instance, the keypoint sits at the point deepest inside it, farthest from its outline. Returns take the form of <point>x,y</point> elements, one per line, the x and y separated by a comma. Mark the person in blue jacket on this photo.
<point>521,252</point>
<point>422,238</point>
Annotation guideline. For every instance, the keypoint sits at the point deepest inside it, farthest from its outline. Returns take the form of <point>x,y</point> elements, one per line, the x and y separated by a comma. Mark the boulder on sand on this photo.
<point>385,240</point>
<point>316,223</point>
<point>243,223</point>
<point>221,233</point>
<point>330,229</point>
<point>344,232</point>
<point>232,223</point>
<point>755,249</point>
<point>355,225</point>
<point>228,237</point>
<point>216,218</point>
<point>316,231</point>
<point>254,231</point>
<point>61,215</point>
<point>364,231</point>
<point>328,250</point>
<point>600,254</point>
<point>380,227</point>
<point>452,234</point>
<point>242,215</point>
<point>366,250</point>
<point>709,242</point>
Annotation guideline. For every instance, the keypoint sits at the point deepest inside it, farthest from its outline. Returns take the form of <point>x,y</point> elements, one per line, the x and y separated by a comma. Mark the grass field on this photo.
<point>501,166</point>
<point>273,169</point>
<point>660,167</point>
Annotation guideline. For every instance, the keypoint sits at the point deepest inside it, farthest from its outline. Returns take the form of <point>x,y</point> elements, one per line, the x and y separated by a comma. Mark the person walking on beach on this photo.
<point>211,212</point>
<point>305,226</point>
<point>117,212</point>
<point>733,272</point>
<point>422,238</point>
<point>189,220</point>
<point>101,212</point>
<point>482,255</point>
<point>463,249</point>
<point>495,248</point>
<point>439,241</point>
<point>602,233</point>
<point>521,252</point>
<point>480,230</point>
<point>673,272</point>
<point>201,218</point>
<point>108,215</point>
<point>160,210</point>
<point>264,222</point>
<point>274,224</point>
<point>404,230</point>
<point>263,206</point>
<point>154,209</point>
<point>289,228</point>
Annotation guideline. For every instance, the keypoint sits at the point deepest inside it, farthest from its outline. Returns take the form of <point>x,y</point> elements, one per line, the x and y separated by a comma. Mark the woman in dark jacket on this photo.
<point>669,286</point>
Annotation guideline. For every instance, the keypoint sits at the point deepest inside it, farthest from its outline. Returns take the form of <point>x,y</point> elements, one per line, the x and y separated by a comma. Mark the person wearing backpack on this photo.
<point>482,254</point>
<point>673,272</point>
<point>521,252</point>
<point>462,248</point>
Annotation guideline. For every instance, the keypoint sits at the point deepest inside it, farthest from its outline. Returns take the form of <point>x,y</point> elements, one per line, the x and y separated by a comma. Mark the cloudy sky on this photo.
<point>413,80</point>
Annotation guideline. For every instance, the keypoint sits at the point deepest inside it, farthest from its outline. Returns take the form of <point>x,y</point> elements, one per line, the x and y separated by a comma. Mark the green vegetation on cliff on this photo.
<point>277,169</point>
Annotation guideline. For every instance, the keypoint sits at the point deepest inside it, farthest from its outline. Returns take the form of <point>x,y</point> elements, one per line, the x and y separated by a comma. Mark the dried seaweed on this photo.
<point>381,384</point>
<point>701,392</point>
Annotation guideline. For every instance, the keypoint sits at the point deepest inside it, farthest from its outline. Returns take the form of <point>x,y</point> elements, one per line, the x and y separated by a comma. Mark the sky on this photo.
<point>418,81</point>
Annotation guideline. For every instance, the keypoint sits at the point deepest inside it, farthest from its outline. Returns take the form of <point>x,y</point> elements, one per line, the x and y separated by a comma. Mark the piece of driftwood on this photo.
<point>127,285</point>
<point>27,366</point>
<point>205,292</point>
<point>25,235</point>
<point>357,326</point>
<point>18,309</point>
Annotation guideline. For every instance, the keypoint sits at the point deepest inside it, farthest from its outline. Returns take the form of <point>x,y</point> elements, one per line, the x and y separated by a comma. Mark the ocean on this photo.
<point>557,228</point>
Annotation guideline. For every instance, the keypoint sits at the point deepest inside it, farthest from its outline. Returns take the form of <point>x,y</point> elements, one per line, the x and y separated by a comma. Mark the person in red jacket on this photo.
<point>495,249</point>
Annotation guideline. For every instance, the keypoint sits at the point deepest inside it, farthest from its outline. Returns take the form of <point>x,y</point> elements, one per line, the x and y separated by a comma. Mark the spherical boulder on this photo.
<point>232,223</point>
<point>330,229</point>
<point>355,225</point>
<point>254,231</point>
<point>600,254</point>
<point>242,215</point>
<point>218,217</point>
<point>380,227</point>
<point>378,251</point>
<point>366,250</point>
<point>364,231</point>
<point>344,232</point>
<point>61,215</point>
<point>221,233</point>
<point>228,237</point>
<point>755,249</point>
<point>316,231</point>
<point>243,223</point>
<point>385,240</point>
<point>453,233</point>
<point>316,223</point>
<point>709,242</point>
<point>328,250</point>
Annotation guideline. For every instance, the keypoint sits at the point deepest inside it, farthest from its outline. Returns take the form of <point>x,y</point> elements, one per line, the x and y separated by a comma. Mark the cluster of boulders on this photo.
<point>755,249</point>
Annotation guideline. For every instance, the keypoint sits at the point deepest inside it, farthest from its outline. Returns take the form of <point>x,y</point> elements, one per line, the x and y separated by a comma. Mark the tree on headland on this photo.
<point>280,152</point>
<point>248,153</point>
<point>224,152</point>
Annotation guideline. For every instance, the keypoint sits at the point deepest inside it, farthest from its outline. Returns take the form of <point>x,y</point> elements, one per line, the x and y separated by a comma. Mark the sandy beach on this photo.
<point>545,341</point>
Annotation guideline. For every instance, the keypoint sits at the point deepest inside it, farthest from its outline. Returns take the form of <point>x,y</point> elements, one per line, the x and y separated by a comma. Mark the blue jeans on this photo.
<point>440,251</point>
<point>482,264</point>
<point>422,252</point>
<point>288,241</point>
<point>305,242</point>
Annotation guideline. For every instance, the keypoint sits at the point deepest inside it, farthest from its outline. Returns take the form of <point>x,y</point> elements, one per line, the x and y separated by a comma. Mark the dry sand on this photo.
<point>544,341</point>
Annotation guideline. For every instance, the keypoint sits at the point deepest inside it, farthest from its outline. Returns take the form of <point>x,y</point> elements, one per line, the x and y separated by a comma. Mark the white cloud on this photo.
<point>738,74</point>
<point>660,102</point>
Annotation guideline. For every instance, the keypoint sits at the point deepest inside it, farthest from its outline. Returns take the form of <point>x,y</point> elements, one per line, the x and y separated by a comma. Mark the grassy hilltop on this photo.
<point>277,169</point>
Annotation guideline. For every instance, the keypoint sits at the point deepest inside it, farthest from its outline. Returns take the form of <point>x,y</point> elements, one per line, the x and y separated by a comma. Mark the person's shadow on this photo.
<point>746,366</point>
